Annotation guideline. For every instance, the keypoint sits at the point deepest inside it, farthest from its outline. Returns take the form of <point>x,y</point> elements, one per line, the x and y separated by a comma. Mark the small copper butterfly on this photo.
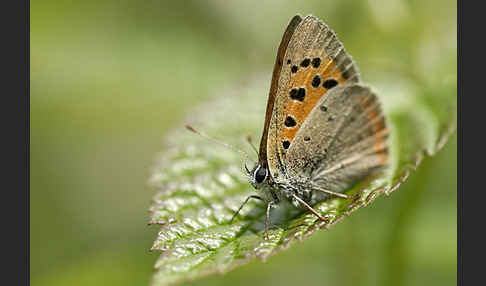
<point>324,130</point>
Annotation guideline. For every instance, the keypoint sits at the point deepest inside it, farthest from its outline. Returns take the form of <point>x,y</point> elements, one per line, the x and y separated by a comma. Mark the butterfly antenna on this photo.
<point>249,140</point>
<point>190,128</point>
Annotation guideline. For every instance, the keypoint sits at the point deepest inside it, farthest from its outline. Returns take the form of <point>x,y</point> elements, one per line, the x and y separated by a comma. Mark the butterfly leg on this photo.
<point>267,219</point>
<point>302,202</point>
<point>243,204</point>
<point>334,193</point>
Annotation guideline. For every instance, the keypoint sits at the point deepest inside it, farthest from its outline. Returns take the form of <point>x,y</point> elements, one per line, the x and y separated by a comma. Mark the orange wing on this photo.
<point>314,62</point>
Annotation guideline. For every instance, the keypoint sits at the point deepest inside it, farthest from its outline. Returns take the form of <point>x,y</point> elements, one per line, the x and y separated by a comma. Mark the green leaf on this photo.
<point>201,184</point>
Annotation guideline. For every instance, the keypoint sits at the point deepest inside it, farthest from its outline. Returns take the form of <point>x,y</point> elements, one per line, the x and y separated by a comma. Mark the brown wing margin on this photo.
<point>262,154</point>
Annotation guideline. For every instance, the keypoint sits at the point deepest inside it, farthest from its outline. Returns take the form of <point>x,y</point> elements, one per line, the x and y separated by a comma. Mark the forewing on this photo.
<point>342,140</point>
<point>314,63</point>
<point>289,31</point>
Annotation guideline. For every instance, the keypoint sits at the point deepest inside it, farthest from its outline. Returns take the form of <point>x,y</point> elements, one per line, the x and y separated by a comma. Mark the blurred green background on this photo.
<point>110,78</point>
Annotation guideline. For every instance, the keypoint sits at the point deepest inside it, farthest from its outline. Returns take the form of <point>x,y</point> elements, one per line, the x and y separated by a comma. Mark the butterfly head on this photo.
<point>258,175</point>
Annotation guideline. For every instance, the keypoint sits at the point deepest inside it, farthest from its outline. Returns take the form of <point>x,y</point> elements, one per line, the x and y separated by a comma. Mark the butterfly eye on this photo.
<point>260,174</point>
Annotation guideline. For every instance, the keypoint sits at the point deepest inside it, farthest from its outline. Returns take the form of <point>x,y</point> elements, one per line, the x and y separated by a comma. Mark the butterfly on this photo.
<point>324,130</point>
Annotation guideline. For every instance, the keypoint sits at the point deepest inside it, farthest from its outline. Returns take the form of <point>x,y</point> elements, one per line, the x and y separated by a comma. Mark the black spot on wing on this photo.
<point>286,144</point>
<point>305,63</point>
<point>316,81</point>
<point>329,83</point>
<point>290,121</point>
<point>297,94</point>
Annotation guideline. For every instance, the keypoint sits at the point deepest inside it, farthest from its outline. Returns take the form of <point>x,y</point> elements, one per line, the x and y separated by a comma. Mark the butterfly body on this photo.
<point>324,129</point>
<point>274,191</point>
